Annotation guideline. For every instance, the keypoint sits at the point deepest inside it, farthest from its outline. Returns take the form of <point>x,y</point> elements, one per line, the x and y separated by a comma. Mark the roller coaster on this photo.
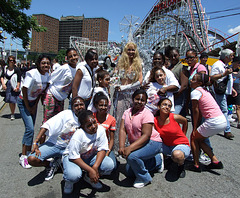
<point>179,23</point>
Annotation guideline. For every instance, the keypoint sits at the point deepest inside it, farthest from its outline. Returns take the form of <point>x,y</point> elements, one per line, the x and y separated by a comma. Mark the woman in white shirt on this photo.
<point>34,85</point>
<point>84,81</point>
<point>60,85</point>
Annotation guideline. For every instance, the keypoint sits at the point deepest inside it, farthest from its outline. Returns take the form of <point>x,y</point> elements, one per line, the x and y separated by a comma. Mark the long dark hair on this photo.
<point>159,103</point>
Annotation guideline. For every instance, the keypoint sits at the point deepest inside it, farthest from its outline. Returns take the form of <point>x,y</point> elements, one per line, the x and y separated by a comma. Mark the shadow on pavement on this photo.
<point>7,116</point>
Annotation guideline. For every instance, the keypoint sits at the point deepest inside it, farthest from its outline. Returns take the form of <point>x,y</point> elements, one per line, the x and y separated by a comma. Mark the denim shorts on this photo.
<point>168,150</point>
<point>49,150</point>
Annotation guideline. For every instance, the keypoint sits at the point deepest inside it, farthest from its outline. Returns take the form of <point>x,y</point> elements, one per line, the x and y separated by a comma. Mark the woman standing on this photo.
<point>175,142</point>
<point>60,85</point>
<point>84,80</point>
<point>34,84</point>
<point>129,69</point>
<point>143,153</point>
<point>11,92</point>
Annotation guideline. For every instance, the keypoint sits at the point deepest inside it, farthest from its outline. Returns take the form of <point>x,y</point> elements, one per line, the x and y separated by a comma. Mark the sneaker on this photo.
<point>238,125</point>
<point>228,135</point>
<point>219,165</point>
<point>12,117</point>
<point>160,170</point>
<point>97,185</point>
<point>190,158</point>
<point>24,162</point>
<point>181,171</point>
<point>68,187</point>
<point>53,167</point>
<point>139,184</point>
<point>204,159</point>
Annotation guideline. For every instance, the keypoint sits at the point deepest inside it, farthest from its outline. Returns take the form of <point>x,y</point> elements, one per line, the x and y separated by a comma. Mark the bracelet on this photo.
<point>35,143</point>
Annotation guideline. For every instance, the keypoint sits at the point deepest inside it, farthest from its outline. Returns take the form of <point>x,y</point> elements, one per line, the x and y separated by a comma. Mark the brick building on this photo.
<point>46,42</point>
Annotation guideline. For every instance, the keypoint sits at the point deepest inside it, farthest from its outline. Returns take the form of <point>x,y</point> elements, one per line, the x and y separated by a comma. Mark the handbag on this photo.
<point>2,91</point>
<point>220,88</point>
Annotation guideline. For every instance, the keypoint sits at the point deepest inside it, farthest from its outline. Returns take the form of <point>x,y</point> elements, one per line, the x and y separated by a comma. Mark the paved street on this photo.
<point>18,182</point>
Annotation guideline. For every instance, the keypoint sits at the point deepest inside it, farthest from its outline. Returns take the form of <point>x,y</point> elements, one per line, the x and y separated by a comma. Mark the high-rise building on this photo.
<point>69,26</point>
<point>58,33</point>
<point>46,42</point>
<point>96,29</point>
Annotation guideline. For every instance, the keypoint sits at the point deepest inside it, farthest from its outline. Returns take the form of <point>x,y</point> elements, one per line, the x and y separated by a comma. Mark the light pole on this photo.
<point>16,52</point>
<point>4,52</point>
<point>11,49</point>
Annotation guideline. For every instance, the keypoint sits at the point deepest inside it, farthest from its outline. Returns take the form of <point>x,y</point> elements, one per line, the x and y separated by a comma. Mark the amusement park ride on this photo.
<point>179,23</point>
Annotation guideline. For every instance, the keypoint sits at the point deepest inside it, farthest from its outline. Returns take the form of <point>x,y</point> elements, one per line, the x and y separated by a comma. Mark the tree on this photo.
<point>61,56</point>
<point>14,21</point>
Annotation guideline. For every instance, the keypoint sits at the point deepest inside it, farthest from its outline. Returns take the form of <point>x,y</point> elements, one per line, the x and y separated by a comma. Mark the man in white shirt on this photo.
<point>220,71</point>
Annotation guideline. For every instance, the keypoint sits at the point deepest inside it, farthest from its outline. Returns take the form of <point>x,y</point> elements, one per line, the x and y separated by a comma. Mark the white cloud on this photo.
<point>234,30</point>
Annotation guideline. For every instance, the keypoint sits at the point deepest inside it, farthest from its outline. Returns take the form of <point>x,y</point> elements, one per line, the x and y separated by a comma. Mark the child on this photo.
<point>204,105</point>
<point>100,102</point>
<point>103,79</point>
<point>157,90</point>
<point>86,150</point>
<point>60,85</point>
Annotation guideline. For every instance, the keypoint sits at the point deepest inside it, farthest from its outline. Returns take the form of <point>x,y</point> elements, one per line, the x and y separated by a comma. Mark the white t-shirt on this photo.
<point>35,82</point>
<point>153,97</point>
<point>85,87</point>
<point>219,68</point>
<point>56,66</point>
<point>96,90</point>
<point>61,81</point>
<point>61,127</point>
<point>170,78</point>
<point>84,145</point>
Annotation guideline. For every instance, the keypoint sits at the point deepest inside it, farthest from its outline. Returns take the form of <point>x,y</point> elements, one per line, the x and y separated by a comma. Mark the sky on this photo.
<point>115,11</point>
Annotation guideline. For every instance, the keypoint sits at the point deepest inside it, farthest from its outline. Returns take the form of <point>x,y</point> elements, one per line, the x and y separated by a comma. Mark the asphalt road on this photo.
<point>18,182</point>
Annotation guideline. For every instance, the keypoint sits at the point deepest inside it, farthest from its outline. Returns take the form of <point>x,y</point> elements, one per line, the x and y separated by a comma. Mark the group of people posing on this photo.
<point>148,121</point>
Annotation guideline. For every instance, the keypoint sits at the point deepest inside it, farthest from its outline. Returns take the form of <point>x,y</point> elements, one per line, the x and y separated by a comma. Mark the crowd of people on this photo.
<point>147,123</point>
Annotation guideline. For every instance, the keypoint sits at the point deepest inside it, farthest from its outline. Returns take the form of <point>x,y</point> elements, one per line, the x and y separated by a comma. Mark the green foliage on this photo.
<point>14,21</point>
<point>61,56</point>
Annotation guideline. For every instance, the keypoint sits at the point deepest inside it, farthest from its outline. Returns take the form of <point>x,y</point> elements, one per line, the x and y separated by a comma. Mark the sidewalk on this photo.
<point>1,102</point>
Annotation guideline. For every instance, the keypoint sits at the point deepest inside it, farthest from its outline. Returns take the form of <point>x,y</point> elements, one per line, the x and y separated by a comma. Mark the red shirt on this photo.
<point>109,124</point>
<point>171,133</point>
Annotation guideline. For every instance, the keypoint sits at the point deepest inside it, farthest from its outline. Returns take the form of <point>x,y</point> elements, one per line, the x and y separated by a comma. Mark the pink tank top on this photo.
<point>207,105</point>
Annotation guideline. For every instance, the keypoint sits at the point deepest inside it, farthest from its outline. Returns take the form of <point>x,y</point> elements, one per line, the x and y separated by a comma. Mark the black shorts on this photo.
<point>233,100</point>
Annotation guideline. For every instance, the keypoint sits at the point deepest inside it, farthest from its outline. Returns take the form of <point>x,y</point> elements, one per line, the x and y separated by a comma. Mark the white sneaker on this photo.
<point>12,117</point>
<point>23,162</point>
<point>140,184</point>
<point>204,159</point>
<point>162,165</point>
<point>68,187</point>
<point>97,185</point>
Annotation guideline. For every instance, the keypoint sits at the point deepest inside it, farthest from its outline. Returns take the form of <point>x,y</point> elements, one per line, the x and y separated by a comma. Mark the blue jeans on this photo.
<point>49,150</point>
<point>168,150</point>
<point>179,104</point>
<point>29,121</point>
<point>222,102</point>
<point>113,157</point>
<point>72,172</point>
<point>143,160</point>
